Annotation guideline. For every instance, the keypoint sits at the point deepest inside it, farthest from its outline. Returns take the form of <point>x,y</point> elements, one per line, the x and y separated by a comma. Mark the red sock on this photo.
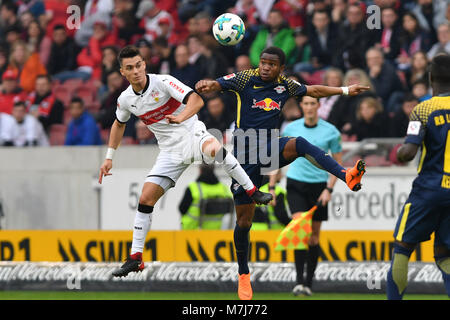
<point>136,256</point>
<point>251,192</point>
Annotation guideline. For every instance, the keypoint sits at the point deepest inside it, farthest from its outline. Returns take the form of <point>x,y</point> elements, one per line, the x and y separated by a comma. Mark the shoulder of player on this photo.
<point>292,85</point>
<point>244,74</point>
<point>424,109</point>
<point>165,80</point>
<point>122,100</point>
<point>283,78</point>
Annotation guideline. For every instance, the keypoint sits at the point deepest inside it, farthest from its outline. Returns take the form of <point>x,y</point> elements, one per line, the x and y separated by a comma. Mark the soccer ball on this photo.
<point>228,29</point>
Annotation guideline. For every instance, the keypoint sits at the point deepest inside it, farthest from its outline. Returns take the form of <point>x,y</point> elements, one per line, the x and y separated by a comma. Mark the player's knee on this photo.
<point>244,222</point>
<point>300,146</point>
<point>148,199</point>
<point>210,147</point>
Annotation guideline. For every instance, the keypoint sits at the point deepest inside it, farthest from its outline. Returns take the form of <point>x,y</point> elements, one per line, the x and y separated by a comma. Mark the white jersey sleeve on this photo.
<point>31,126</point>
<point>7,127</point>
<point>175,88</point>
<point>122,112</point>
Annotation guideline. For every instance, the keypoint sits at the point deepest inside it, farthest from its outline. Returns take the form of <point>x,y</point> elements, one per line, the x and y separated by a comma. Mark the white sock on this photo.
<point>142,223</point>
<point>234,170</point>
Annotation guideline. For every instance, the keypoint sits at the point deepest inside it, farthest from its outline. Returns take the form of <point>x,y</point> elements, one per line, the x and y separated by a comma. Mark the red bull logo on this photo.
<point>267,104</point>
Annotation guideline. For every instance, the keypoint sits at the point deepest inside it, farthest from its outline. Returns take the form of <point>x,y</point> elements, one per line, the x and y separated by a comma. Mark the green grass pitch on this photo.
<point>84,295</point>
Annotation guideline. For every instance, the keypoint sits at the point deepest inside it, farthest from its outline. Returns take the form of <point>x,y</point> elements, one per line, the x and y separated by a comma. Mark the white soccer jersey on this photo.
<point>163,95</point>
<point>7,127</point>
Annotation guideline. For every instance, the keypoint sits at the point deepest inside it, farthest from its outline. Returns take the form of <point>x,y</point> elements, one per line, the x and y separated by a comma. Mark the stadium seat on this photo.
<point>93,107</point>
<point>63,94</point>
<point>57,134</point>
<point>350,162</point>
<point>104,133</point>
<point>128,141</point>
<point>87,93</point>
<point>67,116</point>
<point>73,84</point>
<point>375,160</point>
<point>316,77</point>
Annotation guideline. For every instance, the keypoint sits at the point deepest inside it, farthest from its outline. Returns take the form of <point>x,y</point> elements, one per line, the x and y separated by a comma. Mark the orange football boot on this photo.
<point>353,175</point>
<point>245,291</point>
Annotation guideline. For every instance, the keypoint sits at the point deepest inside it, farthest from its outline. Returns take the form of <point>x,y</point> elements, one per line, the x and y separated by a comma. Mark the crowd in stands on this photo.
<point>59,83</point>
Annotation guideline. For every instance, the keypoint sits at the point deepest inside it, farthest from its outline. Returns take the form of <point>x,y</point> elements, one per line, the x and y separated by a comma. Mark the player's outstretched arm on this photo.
<point>318,91</point>
<point>206,86</point>
<point>193,105</point>
<point>115,137</point>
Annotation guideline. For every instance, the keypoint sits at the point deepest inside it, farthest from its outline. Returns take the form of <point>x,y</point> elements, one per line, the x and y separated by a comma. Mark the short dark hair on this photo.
<point>276,11</point>
<point>322,12</point>
<point>77,100</point>
<point>45,76</point>
<point>301,99</point>
<point>59,27</point>
<point>161,41</point>
<point>422,81</point>
<point>110,72</point>
<point>10,6</point>
<point>440,69</point>
<point>409,97</point>
<point>112,48</point>
<point>129,51</point>
<point>276,51</point>
<point>214,97</point>
<point>20,103</point>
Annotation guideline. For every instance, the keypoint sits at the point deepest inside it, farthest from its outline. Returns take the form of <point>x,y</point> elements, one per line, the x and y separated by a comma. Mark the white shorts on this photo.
<point>171,164</point>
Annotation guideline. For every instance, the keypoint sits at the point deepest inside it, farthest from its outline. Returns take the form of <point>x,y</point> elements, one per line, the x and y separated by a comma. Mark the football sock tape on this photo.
<point>443,264</point>
<point>319,158</point>
<point>397,278</point>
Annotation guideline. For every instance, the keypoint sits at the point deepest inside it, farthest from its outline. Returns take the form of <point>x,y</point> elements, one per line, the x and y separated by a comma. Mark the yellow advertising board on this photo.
<point>99,246</point>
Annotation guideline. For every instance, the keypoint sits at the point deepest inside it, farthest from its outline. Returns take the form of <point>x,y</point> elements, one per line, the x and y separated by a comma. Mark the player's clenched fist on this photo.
<point>104,170</point>
<point>204,86</point>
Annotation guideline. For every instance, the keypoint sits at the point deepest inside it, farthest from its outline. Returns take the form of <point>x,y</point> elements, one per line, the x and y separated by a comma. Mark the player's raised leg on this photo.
<point>213,149</point>
<point>151,192</point>
<point>300,147</point>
